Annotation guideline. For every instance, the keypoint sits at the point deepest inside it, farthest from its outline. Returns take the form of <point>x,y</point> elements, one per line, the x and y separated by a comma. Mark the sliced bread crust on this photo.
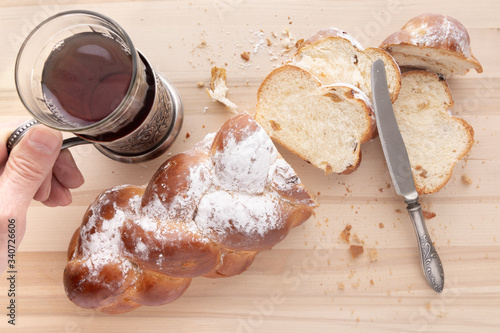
<point>435,140</point>
<point>334,56</point>
<point>435,42</point>
<point>324,125</point>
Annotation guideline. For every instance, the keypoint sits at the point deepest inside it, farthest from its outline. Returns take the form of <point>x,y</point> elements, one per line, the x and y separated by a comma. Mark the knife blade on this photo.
<point>399,167</point>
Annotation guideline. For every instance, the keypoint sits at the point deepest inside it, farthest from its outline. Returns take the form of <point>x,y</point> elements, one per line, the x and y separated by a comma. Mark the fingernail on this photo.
<point>43,140</point>
<point>68,193</point>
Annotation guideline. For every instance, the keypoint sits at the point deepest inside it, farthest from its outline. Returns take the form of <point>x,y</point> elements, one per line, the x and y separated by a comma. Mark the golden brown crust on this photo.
<point>232,263</point>
<point>73,243</point>
<point>187,254</point>
<point>157,289</point>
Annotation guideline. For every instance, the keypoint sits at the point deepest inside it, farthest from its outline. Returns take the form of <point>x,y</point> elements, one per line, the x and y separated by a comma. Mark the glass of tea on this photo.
<point>78,71</point>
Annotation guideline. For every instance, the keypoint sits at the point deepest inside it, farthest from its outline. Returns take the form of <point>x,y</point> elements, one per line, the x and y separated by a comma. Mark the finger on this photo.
<point>44,190</point>
<point>66,171</point>
<point>30,163</point>
<point>4,135</point>
<point>59,195</point>
<point>49,203</point>
<point>5,131</point>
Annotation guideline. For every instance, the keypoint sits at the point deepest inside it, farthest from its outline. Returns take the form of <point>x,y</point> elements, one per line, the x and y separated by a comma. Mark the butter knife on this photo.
<point>398,163</point>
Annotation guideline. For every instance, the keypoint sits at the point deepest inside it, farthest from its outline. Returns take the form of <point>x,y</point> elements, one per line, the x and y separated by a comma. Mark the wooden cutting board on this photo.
<point>308,282</point>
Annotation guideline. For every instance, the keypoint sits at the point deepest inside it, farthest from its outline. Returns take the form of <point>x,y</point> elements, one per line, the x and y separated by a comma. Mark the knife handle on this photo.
<point>433,269</point>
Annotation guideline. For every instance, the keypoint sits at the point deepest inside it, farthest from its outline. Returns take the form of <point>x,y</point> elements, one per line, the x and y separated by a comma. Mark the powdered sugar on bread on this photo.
<point>435,42</point>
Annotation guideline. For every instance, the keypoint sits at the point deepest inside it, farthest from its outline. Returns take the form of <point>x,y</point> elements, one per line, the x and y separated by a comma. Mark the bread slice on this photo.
<point>334,56</point>
<point>435,42</point>
<point>324,125</point>
<point>435,140</point>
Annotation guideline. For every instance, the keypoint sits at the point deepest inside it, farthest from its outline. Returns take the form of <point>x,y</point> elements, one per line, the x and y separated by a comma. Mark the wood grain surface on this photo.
<point>308,282</point>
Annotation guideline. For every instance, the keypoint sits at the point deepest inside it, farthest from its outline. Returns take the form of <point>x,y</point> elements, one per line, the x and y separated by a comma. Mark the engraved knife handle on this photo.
<point>433,269</point>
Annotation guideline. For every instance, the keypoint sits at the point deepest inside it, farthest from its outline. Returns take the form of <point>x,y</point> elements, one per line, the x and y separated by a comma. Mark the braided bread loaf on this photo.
<point>207,211</point>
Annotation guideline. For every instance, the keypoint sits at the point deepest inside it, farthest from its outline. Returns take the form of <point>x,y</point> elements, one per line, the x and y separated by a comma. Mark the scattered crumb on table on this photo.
<point>466,179</point>
<point>428,215</point>
<point>346,233</point>
<point>356,251</point>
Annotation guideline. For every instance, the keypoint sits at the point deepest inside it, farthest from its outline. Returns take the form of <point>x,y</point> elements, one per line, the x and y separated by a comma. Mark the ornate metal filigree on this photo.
<point>154,128</point>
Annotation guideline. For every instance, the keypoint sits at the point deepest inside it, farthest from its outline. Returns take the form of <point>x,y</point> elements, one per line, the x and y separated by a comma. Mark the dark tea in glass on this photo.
<point>87,76</point>
<point>78,71</point>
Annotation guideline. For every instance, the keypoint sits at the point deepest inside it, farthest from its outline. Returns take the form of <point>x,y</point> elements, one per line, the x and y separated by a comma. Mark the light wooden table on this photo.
<point>308,282</point>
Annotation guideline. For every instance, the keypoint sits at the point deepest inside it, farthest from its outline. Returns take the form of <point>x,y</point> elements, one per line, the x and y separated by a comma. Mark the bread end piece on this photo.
<point>434,42</point>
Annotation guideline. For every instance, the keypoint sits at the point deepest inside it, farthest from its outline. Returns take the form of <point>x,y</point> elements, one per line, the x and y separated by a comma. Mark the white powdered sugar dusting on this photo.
<point>182,205</point>
<point>444,32</point>
<point>283,176</point>
<point>156,219</point>
<point>104,245</point>
<point>206,143</point>
<point>243,165</point>
<point>350,38</point>
<point>221,213</point>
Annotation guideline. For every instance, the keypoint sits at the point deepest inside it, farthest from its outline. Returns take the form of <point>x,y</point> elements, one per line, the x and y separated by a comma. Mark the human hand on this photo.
<point>35,169</point>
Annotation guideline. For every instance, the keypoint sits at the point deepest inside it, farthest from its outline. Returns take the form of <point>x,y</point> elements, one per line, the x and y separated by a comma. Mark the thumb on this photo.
<point>30,163</point>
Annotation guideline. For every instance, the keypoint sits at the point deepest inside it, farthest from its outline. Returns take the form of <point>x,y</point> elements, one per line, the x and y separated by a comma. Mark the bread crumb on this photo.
<point>200,84</point>
<point>269,43</point>
<point>371,282</point>
<point>355,285</point>
<point>287,42</point>
<point>428,215</point>
<point>398,211</point>
<point>466,179</point>
<point>328,169</point>
<point>218,88</point>
<point>356,239</point>
<point>188,135</point>
<point>245,56</point>
<point>381,225</point>
<point>346,233</point>
<point>341,286</point>
<point>428,306</point>
<point>202,45</point>
<point>373,254</point>
<point>356,251</point>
